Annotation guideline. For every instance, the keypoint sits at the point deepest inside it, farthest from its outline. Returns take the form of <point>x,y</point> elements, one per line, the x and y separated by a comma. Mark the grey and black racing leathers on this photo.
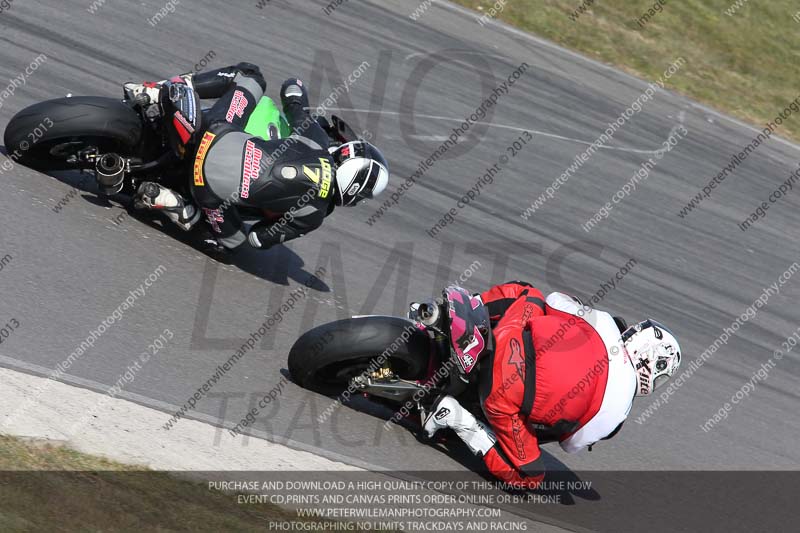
<point>288,184</point>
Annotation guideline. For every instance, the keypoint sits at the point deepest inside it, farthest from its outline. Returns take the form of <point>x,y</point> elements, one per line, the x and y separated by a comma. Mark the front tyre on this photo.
<point>326,358</point>
<point>47,135</point>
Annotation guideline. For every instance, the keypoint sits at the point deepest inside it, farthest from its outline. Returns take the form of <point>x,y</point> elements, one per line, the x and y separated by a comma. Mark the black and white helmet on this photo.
<point>654,352</point>
<point>361,172</point>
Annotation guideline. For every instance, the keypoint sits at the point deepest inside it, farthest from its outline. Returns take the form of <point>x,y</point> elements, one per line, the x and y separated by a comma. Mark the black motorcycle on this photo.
<point>129,137</point>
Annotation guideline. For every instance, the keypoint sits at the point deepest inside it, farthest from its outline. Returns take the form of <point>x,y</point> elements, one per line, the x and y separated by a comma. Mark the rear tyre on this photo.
<point>45,135</point>
<point>327,357</point>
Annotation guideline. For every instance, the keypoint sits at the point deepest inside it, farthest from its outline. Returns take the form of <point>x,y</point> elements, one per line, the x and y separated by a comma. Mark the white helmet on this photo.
<point>655,354</point>
<point>361,172</point>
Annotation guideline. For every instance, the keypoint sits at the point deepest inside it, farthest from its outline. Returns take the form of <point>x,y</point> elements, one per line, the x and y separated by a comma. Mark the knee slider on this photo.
<point>252,71</point>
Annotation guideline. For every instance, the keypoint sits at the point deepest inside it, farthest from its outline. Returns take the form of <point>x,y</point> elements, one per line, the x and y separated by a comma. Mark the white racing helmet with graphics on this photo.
<point>361,172</point>
<point>654,353</point>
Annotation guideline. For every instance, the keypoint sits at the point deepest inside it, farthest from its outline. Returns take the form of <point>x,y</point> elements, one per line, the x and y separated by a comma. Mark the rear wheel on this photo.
<point>327,357</point>
<point>48,135</point>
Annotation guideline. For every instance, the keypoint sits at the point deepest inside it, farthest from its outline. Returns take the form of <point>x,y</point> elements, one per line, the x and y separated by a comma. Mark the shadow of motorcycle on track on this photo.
<point>560,478</point>
<point>277,265</point>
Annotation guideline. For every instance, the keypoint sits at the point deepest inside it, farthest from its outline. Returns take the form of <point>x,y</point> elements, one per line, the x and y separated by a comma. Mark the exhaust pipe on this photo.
<point>110,170</point>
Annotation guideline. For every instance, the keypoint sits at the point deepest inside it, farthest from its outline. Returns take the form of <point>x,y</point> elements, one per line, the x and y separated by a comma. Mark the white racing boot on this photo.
<point>147,95</point>
<point>448,413</point>
<point>151,195</point>
<point>150,89</point>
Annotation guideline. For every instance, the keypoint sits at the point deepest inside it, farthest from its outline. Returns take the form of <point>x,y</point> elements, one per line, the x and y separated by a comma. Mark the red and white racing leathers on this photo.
<point>558,372</point>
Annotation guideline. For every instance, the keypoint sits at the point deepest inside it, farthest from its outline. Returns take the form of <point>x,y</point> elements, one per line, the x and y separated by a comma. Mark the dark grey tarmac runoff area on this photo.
<point>68,261</point>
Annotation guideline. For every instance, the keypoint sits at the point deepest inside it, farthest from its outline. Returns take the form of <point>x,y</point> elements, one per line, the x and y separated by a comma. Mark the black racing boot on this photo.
<point>293,92</point>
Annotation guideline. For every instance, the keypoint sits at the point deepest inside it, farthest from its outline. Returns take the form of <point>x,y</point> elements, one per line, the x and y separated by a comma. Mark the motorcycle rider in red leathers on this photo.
<point>550,369</point>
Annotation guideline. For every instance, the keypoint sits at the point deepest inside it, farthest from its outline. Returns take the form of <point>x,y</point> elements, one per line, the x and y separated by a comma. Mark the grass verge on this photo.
<point>741,54</point>
<point>50,488</point>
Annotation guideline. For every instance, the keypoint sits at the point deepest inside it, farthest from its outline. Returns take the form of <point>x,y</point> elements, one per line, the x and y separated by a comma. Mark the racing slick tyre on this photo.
<point>46,136</point>
<point>327,357</point>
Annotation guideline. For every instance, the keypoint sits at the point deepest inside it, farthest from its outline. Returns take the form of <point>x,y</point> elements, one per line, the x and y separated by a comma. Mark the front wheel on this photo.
<point>326,358</point>
<point>49,135</point>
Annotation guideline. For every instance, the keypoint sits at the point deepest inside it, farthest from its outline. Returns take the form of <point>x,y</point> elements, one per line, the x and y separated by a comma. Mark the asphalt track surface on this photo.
<point>71,269</point>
